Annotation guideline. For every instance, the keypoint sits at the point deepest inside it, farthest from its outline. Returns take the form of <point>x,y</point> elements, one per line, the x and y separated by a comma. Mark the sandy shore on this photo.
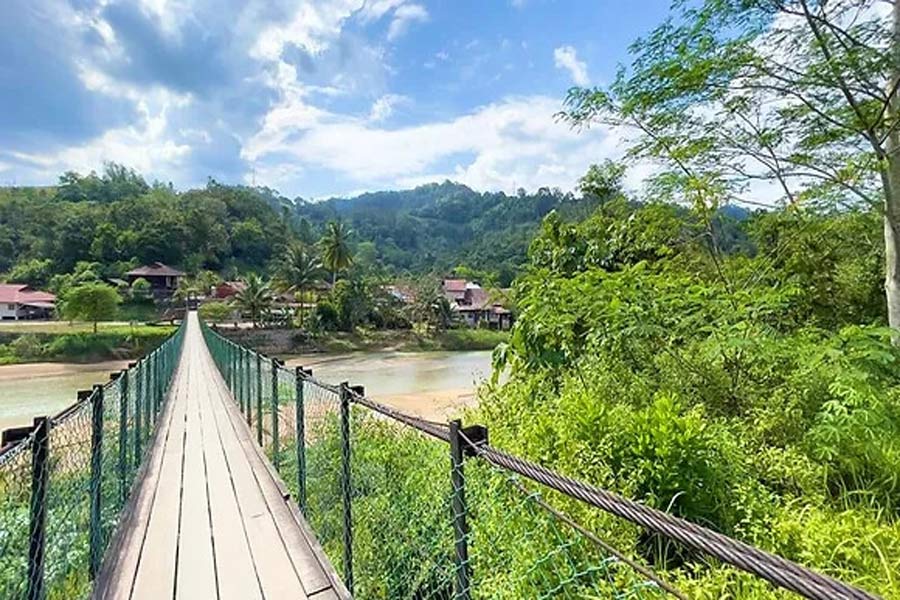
<point>49,369</point>
<point>434,406</point>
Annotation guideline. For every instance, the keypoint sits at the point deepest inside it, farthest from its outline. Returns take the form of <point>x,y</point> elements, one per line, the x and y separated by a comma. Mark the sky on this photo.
<point>313,98</point>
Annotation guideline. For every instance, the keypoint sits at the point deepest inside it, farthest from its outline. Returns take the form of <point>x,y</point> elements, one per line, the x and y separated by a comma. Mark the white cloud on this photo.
<point>313,26</point>
<point>384,107</point>
<point>144,146</point>
<point>512,143</point>
<point>565,57</point>
<point>403,17</point>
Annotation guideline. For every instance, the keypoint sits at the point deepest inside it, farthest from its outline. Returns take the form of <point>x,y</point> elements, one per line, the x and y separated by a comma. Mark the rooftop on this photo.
<point>20,293</point>
<point>156,269</point>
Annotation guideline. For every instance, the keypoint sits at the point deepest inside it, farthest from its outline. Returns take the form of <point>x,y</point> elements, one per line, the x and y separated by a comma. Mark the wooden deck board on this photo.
<point>239,580</point>
<point>208,519</point>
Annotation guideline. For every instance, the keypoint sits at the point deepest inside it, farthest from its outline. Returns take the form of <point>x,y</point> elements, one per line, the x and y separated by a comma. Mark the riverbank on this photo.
<point>31,342</point>
<point>295,341</point>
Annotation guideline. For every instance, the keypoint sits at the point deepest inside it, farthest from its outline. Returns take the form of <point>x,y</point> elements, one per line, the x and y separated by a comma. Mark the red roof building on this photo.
<point>20,301</point>
<point>474,304</point>
<point>227,289</point>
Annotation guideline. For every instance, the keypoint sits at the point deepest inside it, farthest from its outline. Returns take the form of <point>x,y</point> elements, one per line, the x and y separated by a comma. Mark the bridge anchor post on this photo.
<point>300,429</point>
<point>346,495</point>
<point>122,383</point>
<point>459,449</point>
<point>276,457</point>
<point>94,533</point>
<point>37,528</point>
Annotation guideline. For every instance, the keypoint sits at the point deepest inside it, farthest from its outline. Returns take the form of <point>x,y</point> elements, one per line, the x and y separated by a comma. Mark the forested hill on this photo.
<point>116,219</point>
<point>440,226</point>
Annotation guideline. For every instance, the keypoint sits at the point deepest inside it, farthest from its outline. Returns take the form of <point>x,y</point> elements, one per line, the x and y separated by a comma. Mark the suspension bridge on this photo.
<point>207,470</point>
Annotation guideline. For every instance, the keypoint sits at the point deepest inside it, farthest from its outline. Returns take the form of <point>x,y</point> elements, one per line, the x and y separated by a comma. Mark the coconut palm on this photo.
<point>255,299</point>
<point>336,253</point>
<point>297,272</point>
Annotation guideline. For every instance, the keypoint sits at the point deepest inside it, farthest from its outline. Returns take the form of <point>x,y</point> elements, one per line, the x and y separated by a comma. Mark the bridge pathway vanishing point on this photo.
<point>209,519</point>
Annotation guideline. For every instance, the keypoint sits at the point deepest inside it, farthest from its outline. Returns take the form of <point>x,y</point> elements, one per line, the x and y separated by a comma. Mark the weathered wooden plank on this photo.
<point>305,562</point>
<point>276,573</point>
<point>155,576</point>
<point>196,576</point>
<point>236,570</point>
<point>121,561</point>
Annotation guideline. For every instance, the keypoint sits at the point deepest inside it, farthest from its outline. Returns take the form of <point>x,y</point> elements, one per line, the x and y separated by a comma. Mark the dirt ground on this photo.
<point>49,369</point>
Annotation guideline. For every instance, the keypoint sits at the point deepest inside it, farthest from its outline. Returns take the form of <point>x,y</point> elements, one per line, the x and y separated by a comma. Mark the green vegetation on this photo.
<point>255,299</point>
<point>77,344</point>
<point>117,221</point>
<point>90,302</point>
<point>410,340</point>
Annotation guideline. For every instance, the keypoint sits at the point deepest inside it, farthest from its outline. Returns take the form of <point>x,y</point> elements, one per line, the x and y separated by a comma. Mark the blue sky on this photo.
<point>312,98</point>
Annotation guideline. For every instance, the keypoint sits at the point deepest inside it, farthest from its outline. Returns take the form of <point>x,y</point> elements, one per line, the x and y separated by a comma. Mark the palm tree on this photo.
<point>298,271</point>
<point>255,299</point>
<point>336,253</point>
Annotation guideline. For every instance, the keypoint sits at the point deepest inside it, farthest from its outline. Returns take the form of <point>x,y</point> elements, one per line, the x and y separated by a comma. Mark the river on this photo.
<point>430,384</point>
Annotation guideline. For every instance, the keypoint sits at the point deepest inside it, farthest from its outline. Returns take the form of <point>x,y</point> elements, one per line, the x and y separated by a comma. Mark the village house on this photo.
<point>228,289</point>
<point>163,279</point>
<point>20,301</point>
<point>475,305</point>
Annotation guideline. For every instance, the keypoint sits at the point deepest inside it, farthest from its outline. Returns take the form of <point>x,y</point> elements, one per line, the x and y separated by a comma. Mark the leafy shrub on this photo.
<point>27,346</point>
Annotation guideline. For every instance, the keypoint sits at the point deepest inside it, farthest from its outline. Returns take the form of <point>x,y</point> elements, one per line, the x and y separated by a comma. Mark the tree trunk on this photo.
<point>891,182</point>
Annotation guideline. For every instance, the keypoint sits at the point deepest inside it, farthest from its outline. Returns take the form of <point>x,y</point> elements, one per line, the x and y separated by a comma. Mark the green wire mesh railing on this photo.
<point>64,486</point>
<point>378,496</point>
<point>400,517</point>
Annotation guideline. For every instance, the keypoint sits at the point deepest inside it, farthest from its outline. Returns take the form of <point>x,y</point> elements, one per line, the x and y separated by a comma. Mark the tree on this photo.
<point>255,299</point>
<point>216,312</point>
<point>432,307</point>
<point>336,253</point>
<point>141,289</point>
<point>297,272</point>
<point>800,95</point>
<point>91,302</point>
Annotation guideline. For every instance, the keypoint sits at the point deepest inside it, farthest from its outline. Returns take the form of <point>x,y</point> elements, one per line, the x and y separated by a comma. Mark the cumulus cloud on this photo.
<point>404,16</point>
<point>281,88</point>
<point>503,145</point>
<point>565,57</point>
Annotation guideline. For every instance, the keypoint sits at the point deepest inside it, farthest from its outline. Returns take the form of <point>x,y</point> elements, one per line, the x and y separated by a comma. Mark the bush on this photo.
<point>27,346</point>
<point>216,312</point>
<point>326,316</point>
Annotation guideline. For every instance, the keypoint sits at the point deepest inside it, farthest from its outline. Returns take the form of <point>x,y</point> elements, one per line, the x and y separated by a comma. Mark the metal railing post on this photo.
<point>94,534</point>
<point>259,406</point>
<point>37,527</point>
<point>248,398</point>
<point>300,429</point>
<point>151,388</point>
<point>229,361</point>
<point>135,368</point>
<point>458,506</point>
<point>346,496</point>
<point>276,364</point>
<point>123,435</point>
<point>146,396</point>
<point>157,389</point>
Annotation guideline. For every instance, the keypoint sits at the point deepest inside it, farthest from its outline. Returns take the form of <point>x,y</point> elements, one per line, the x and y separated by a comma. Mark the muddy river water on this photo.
<point>431,384</point>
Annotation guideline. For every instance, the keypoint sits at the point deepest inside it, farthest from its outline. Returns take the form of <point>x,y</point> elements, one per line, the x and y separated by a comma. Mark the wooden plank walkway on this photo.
<point>208,519</point>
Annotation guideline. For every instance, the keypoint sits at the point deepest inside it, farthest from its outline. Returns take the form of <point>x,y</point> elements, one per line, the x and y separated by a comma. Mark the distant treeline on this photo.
<point>119,220</point>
